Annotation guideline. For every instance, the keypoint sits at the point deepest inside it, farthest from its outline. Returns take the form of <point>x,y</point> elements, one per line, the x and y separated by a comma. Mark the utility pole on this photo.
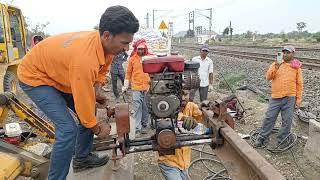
<point>189,21</point>
<point>170,34</point>
<point>193,20</point>
<point>208,17</point>
<point>153,15</point>
<point>210,23</point>
<point>230,30</point>
<point>147,20</point>
<point>153,18</point>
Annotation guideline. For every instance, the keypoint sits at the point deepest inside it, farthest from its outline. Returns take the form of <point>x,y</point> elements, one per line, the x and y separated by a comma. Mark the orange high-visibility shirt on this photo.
<point>286,81</point>
<point>71,63</point>
<point>139,80</point>
<point>182,157</point>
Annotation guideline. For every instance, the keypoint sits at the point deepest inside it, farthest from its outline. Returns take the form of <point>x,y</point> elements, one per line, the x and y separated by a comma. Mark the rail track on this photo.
<point>308,63</point>
<point>266,47</point>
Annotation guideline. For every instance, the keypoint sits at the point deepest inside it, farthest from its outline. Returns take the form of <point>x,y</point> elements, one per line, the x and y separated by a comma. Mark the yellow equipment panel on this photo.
<point>11,168</point>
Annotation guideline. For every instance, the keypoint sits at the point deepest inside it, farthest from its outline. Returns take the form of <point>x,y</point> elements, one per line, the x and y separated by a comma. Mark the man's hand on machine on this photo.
<point>189,123</point>
<point>102,129</point>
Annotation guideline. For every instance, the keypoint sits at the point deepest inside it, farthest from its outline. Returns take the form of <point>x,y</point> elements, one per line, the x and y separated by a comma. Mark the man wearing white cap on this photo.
<point>205,73</point>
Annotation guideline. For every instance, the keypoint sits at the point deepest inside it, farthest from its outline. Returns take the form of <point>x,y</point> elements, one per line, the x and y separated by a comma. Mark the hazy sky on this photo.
<point>255,15</point>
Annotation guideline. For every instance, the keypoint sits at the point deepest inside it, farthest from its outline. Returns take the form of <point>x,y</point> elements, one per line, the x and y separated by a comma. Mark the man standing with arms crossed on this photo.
<point>62,72</point>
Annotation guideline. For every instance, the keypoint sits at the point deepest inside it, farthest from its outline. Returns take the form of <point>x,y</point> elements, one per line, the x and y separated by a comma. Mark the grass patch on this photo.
<point>262,98</point>
<point>233,79</point>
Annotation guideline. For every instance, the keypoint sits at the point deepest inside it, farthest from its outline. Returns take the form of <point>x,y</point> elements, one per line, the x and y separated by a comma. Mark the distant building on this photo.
<point>203,35</point>
<point>180,34</point>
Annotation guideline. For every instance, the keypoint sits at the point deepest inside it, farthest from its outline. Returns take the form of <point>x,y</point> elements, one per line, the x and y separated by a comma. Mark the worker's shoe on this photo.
<point>287,143</point>
<point>144,130</point>
<point>92,161</point>
<point>138,133</point>
<point>259,143</point>
<point>117,100</point>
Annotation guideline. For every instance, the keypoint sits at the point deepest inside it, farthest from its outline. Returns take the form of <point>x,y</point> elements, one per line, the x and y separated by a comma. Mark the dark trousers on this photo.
<point>284,105</point>
<point>203,92</point>
<point>114,80</point>
<point>70,138</point>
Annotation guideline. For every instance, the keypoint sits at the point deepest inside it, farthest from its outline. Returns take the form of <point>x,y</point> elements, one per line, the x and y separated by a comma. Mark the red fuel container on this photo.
<point>157,64</point>
<point>12,140</point>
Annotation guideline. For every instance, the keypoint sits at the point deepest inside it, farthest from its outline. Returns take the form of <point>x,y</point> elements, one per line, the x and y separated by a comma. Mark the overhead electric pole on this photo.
<point>147,20</point>
<point>193,20</point>
<point>210,23</point>
<point>198,11</point>
<point>230,31</point>
<point>153,18</point>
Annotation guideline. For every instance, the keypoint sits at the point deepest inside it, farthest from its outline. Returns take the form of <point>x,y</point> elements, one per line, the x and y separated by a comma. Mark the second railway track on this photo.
<point>308,63</point>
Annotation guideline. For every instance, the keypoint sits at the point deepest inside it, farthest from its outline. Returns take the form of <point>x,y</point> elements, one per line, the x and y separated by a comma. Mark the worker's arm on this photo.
<point>104,70</point>
<point>82,85</point>
<point>192,117</point>
<point>196,113</point>
<point>299,87</point>
<point>82,80</point>
<point>194,58</point>
<point>211,78</point>
<point>101,98</point>
<point>271,73</point>
<point>128,76</point>
<point>194,110</point>
<point>129,70</point>
<point>211,72</point>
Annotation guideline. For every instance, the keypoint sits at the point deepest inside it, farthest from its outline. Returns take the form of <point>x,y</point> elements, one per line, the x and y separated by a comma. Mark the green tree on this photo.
<point>190,33</point>
<point>225,32</point>
<point>317,36</point>
<point>301,26</point>
<point>248,34</point>
<point>37,29</point>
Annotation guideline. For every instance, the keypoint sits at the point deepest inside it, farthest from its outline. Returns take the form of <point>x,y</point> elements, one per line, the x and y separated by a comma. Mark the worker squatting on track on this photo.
<point>176,166</point>
<point>63,72</point>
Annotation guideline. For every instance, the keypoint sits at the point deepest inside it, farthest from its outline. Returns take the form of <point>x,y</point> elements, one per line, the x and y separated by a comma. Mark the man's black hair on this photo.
<point>38,38</point>
<point>118,19</point>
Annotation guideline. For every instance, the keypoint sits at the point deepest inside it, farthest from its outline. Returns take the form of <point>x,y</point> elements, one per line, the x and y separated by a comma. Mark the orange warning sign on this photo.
<point>163,25</point>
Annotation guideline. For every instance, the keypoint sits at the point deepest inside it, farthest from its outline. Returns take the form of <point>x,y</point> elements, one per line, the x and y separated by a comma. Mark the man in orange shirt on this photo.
<point>139,85</point>
<point>62,72</point>
<point>174,167</point>
<point>286,87</point>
